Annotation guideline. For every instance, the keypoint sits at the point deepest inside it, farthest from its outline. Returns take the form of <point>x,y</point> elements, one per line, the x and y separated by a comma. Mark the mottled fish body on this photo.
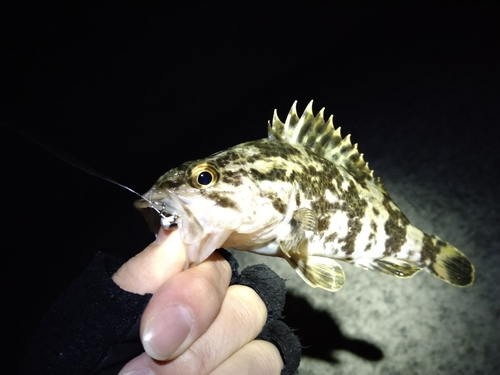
<point>304,194</point>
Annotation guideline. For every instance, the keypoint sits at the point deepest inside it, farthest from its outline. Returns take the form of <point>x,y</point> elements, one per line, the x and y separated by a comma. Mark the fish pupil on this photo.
<point>205,178</point>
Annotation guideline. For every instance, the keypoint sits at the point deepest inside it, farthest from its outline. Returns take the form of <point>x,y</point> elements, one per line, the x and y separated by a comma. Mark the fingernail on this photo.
<point>167,331</point>
<point>142,371</point>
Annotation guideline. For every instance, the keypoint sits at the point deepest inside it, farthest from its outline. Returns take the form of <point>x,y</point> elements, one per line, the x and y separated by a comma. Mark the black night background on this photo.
<point>134,89</point>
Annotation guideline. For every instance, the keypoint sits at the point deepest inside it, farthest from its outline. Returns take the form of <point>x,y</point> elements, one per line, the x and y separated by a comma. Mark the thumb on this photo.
<point>149,269</point>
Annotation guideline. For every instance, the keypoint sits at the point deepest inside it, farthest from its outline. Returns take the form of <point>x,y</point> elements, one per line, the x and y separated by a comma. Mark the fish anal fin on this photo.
<point>395,267</point>
<point>319,271</point>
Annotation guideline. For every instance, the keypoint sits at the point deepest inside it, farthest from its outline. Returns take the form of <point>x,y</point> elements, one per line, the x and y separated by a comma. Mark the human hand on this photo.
<point>194,323</point>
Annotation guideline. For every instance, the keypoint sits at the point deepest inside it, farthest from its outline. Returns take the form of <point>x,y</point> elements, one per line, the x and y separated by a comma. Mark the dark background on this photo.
<point>135,89</point>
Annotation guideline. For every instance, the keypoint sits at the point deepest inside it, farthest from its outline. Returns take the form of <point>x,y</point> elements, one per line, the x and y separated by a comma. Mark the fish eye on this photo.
<point>203,176</point>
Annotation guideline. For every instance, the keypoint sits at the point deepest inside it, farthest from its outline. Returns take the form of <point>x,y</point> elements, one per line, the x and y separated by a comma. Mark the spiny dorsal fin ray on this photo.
<point>313,133</point>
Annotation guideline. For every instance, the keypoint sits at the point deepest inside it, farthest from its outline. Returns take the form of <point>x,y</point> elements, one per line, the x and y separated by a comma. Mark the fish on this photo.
<point>304,194</point>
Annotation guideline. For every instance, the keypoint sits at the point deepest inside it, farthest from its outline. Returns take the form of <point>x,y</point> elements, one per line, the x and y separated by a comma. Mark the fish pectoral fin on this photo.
<point>395,267</point>
<point>319,271</point>
<point>306,219</point>
<point>296,242</point>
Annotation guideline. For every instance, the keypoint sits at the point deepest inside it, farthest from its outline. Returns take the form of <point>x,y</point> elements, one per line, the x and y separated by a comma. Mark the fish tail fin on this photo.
<point>318,271</point>
<point>446,262</point>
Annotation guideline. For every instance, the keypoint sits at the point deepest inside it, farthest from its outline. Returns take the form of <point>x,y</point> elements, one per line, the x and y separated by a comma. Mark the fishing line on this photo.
<point>48,146</point>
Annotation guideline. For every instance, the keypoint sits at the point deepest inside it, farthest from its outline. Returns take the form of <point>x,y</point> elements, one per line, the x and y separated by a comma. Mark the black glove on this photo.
<point>93,328</point>
<point>272,290</point>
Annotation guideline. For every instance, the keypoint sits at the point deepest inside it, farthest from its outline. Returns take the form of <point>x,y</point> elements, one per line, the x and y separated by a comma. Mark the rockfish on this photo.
<point>304,194</point>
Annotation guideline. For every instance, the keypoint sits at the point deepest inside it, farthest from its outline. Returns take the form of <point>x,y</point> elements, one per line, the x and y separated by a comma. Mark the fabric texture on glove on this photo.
<point>272,290</point>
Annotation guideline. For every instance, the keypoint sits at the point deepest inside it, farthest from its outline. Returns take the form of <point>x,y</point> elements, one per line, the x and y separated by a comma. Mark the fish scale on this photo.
<point>304,194</point>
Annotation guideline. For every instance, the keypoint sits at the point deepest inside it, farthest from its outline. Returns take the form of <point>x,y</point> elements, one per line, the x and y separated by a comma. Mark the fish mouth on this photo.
<point>157,215</point>
<point>169,211</point>
<point>165,209</point>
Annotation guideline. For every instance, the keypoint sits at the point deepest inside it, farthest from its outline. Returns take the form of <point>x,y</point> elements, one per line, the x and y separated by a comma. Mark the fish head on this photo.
<point>217,202</point>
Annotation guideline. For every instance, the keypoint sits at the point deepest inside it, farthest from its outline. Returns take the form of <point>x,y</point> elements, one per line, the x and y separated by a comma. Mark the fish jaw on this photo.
<point>165,210</point>
<point>205,226</point>
<point>197,252</point>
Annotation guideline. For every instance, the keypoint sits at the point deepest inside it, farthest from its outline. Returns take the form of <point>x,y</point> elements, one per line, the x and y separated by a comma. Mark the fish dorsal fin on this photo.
<point>313,133</point>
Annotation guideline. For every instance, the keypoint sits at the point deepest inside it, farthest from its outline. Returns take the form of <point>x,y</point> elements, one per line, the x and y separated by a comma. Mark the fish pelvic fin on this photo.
<point>319,271</point>
<point>316,271</point>
<point>447,262</point>
<point>313,133</point>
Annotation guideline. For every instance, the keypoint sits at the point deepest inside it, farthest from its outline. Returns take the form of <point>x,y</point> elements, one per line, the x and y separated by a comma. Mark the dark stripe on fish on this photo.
<point>222,200</point>
<point>395,229</point>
